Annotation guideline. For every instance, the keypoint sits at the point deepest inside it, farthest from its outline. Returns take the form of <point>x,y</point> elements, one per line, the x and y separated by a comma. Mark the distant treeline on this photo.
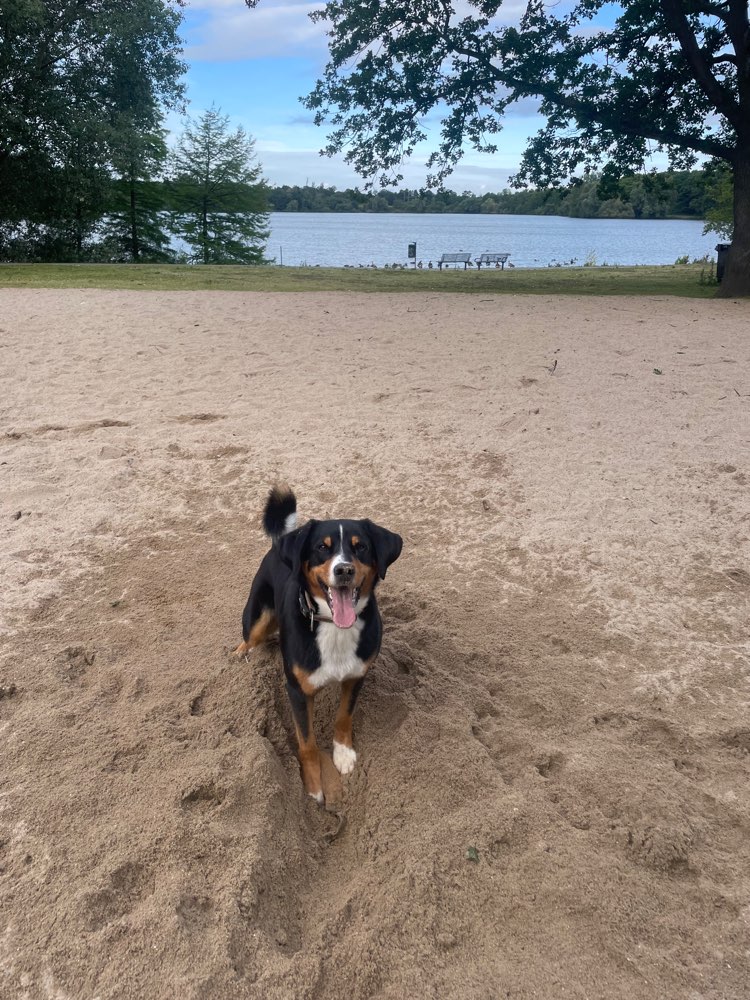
<point>688,194</point>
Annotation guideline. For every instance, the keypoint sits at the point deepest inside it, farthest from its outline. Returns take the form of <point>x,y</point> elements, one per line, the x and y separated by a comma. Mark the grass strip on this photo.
<point>690,280</point>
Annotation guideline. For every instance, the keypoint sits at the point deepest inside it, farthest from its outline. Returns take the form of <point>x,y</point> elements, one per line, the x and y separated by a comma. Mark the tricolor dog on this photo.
<point>316,585</point>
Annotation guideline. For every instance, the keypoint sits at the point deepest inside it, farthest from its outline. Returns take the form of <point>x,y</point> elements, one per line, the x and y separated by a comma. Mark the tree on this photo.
<point>218,193</point>
<point>79,83</point>
<point>614,82</point>
<point>136,227</point>
<point>719,212</point>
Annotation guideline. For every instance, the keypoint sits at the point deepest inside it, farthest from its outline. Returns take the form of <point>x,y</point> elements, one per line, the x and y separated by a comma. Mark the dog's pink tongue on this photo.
<point>342,606</point>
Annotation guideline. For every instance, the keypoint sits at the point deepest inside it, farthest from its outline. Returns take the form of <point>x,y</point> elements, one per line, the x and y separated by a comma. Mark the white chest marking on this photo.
<point>338,654</point>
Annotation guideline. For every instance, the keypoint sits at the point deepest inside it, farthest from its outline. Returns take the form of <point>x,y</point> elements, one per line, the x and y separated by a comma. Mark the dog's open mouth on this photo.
<point>342,601</point>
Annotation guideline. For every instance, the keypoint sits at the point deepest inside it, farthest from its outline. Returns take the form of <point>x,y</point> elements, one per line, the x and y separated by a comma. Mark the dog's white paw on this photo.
<point>344,758</point>
<point>318,797</point>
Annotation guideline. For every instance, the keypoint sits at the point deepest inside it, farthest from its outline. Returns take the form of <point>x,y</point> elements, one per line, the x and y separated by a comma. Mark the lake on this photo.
<point>335,239</point>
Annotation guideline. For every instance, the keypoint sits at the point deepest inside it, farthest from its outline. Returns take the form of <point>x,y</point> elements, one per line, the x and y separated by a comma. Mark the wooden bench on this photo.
<point>492,258</point>
<point>454,258</point>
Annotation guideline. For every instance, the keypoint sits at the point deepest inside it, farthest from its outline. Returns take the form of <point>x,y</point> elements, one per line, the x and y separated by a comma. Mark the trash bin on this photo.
<point>722,249</point>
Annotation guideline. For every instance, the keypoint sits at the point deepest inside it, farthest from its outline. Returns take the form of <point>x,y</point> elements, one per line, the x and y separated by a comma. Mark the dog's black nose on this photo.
<point>343,572</point>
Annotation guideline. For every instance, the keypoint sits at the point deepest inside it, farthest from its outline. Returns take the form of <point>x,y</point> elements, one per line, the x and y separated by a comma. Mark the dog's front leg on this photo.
<point>344,755</point>
<point>309,755</point>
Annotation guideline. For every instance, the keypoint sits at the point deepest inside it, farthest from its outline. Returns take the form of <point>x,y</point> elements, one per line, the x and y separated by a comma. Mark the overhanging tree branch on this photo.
<point>581,109</point>
<point>674,15</point>
<point>667,72</point>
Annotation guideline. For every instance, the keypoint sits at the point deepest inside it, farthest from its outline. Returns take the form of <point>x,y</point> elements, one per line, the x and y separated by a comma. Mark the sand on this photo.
<point>552,795</point>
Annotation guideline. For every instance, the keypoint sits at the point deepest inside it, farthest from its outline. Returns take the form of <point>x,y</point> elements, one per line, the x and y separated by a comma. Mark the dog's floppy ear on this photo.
<point>385,544</point>
<point>293,546</point>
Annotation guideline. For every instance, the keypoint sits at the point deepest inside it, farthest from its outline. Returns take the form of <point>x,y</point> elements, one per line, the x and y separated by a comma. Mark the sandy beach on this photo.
<point>552,798</point>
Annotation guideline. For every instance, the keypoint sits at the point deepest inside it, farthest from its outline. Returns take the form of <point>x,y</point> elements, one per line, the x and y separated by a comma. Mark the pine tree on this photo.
<point>218,194</point>
<point>136,227</point>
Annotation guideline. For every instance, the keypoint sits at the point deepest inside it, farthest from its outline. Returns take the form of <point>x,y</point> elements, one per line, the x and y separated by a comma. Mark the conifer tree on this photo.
<point>218,194</point>
<point>137,225</point>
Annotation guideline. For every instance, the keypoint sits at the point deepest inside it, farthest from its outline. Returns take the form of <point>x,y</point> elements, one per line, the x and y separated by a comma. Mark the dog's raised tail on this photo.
<point>280,514</point>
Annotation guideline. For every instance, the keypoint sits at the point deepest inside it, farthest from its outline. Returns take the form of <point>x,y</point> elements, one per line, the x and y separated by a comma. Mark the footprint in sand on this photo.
<point>199,418</point>
<point>125,887</point>
<point>202,798</point>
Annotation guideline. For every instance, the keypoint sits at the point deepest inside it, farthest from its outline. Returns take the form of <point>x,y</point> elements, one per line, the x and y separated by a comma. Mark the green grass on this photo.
<point>684,280</point>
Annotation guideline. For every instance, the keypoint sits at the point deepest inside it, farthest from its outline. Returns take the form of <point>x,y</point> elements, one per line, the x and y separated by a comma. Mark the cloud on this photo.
<point>282,165</point>
<point>256,63</point>
<point>227,30</point>
<point>233,4</point>
<point>301,120</point>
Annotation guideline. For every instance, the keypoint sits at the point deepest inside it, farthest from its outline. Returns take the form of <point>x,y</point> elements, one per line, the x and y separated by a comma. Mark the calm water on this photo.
<point>335,239</point>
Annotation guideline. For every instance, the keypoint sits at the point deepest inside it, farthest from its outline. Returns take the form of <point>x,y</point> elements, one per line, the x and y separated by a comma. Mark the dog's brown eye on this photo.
<point>361,548</point>
<point>322,547</point>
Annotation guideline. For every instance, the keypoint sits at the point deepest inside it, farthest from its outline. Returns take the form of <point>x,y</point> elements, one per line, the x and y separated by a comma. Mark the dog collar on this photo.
<point>308,611</point>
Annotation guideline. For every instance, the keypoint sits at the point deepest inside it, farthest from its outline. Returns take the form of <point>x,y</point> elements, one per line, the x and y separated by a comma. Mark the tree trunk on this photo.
<point>134,247</point>
<point>736,279</point>
<point>204,232</point>
<point>78,229</point>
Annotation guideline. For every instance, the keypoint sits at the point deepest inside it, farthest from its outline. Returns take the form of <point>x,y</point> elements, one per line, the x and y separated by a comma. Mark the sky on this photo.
<point>256,64</point>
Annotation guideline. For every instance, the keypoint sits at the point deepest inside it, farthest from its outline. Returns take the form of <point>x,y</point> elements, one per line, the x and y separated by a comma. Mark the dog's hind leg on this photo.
<point>259,620</point>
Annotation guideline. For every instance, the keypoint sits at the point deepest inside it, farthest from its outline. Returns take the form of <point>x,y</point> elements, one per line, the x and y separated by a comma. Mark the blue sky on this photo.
<point>256,64</point>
